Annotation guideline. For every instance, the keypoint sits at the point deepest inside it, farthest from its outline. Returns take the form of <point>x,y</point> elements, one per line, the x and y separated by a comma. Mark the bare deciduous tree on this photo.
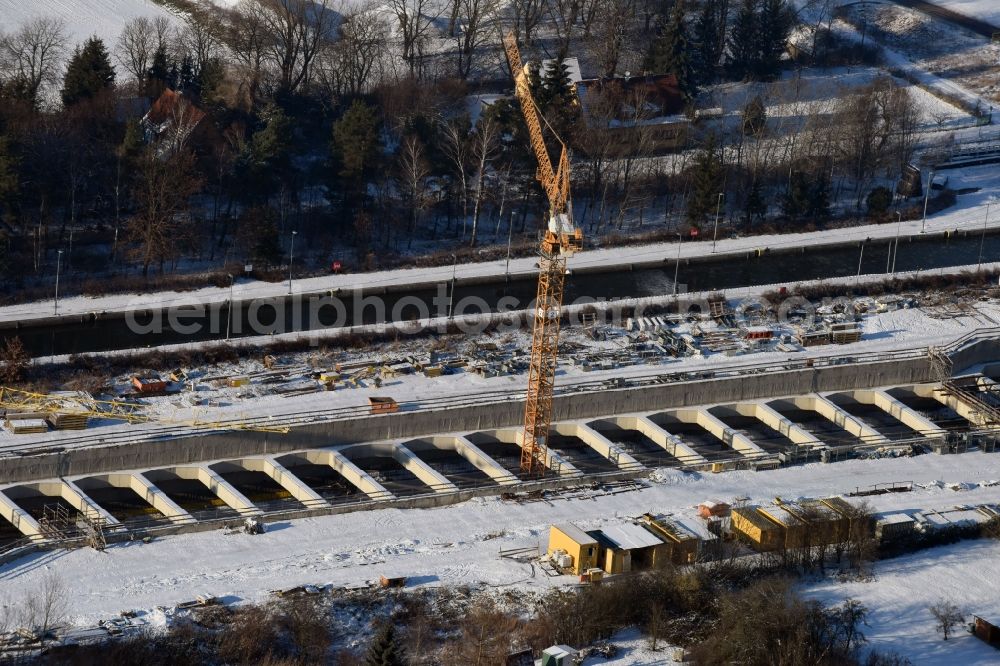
<point>44,610</point>
<point>353,65</point>
<point>413,173</point>
<point>946,615</point>
<point>478,26</point>
<point>160,224</point>
<point>456,147</point>
<point>136,46</point>
<point>485,145</point>
<point>297,31</point>
<point>415,18</point>
<point>249,40</point>
<point>202,37</point>
<point>33,55</point>
<point>527,16</point>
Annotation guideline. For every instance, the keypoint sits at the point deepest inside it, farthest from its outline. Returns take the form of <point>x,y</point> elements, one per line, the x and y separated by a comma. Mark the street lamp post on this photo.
<point>715,233</point>
<point>982,239</point>
<point>291,257</point>
<point>229,322</point>
<point>861,256</point>
<point>454,275</point>
<point>58,267</point>
<point>677,264</point>
<point>895,251</point>
<point>927,195</point>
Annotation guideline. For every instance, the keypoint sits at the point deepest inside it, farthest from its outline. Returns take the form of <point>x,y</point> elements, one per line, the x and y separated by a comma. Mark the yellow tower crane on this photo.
<point>559,241</point>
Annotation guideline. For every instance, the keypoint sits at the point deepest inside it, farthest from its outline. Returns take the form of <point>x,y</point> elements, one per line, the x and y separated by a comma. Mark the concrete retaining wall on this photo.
<point>223,445</point>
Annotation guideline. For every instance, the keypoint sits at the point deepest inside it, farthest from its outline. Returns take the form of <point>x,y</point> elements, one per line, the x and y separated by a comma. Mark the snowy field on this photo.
<point>985,10</point>
<point>83,18</point>
<point>965,573</point>
<point>459,544</point>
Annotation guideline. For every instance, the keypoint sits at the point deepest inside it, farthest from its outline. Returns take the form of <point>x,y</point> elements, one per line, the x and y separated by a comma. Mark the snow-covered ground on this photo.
<point>459,544</point>
<point>82,18</point>
<point>965,573</point>
<point>985,10</point>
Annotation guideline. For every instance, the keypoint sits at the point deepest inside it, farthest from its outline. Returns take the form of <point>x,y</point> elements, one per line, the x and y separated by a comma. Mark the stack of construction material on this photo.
<point>26,423</point>
<point>69,420</point>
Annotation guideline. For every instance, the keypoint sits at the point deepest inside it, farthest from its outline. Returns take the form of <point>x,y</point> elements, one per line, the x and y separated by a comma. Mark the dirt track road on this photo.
<point>975,25</point>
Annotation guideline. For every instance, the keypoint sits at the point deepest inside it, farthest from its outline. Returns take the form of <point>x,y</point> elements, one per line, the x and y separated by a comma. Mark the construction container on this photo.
<point>398,581</point>
<point>559,655</point>
<point>760,532</point>
<point>329,377</point>
<point>149,384</point>
<point>433,371</point>
<point>575,543</point>
<point>683,544</point>
<point>795,530</point>
<point>628,547</point>
<point>236,382</point>
<point>713,508</point>
<point>383,405</point>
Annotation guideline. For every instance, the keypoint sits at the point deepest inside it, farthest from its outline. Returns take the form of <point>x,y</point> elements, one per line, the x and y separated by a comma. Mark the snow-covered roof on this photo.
<point>572,67</point>
<point>895,519</point>
<point>575,533</point>
<point>630,537</point>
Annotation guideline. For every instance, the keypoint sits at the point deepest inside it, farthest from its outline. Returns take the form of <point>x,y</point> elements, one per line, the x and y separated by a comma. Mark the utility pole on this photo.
<point>982,239</point>
<point>58,267</point>
<point>291,257</point>
<point>510,233</point>
<point>715,233</point>
<point>927,195</point>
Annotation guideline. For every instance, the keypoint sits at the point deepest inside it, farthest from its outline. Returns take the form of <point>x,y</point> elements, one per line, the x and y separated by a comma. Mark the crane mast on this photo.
<point>559,241</point>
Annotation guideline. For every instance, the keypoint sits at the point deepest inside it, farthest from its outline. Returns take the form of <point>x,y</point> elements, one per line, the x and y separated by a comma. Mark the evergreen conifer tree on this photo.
<point>670,51</point>
<point>707,183</point>
<point>88,73</point>
<point>385,649</point>
<point>744,40</point>
<point>158,76</point>
<point>708,32</point>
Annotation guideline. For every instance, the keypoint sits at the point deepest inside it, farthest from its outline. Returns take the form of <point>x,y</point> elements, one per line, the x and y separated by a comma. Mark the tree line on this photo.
<point>354,127</point>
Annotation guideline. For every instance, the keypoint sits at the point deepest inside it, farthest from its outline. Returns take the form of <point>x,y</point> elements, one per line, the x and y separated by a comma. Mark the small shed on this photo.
<point>795,529</point>
<point>757,333</point>
<point>149,384</point>
<point>684,544</point>
<point>580,547</point>
<point>714,509</point>
<point>558,655</point>
<point>627,547</point>
<point>986,631</point>
<point>894,525</point>
<point>762,533</point>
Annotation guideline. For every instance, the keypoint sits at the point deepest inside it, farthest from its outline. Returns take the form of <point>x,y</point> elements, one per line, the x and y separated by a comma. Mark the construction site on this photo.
<point>530,425</point>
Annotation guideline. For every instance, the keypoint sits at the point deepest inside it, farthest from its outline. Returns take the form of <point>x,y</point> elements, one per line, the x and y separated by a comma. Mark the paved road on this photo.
<point>975,25</point>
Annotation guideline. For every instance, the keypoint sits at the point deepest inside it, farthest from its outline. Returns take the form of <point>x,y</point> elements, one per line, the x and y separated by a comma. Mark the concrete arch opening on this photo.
<point>505,453</point>
<point>315,470</point>
<point>578,453</point>
<point>460,461</point>
<point>767,438</point>
<point>816,424</point>
<point>695,437</point>
<point>121,501</point>
<point>396,469</point>
<point>257,486</point>
<point>934,410</point>
<point>638,444</point>
<point>875,417</point>
<point>191,494</point>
